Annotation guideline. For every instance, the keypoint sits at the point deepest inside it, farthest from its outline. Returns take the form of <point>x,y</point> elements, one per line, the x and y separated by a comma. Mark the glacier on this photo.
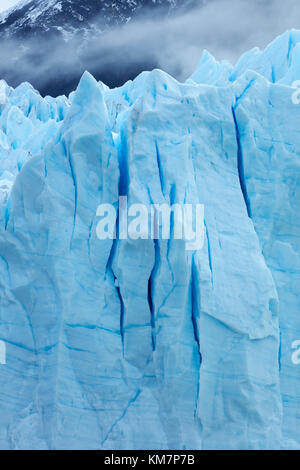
<point>140,344</point>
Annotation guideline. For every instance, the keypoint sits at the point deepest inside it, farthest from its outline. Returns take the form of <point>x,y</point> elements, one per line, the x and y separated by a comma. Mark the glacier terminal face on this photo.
<point>141,344</point>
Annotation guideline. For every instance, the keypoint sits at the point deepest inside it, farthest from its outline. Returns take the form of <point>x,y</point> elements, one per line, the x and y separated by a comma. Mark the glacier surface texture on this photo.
<point>123,344</point>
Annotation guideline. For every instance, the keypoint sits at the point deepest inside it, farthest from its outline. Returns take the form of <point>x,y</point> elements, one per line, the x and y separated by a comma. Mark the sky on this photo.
<point>5,4</point>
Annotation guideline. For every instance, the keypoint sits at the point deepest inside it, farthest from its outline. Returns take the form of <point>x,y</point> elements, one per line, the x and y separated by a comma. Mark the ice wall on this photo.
<point>123,344</point>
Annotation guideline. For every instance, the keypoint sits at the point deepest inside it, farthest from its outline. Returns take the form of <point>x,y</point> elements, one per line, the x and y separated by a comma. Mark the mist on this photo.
<point>226,28</point>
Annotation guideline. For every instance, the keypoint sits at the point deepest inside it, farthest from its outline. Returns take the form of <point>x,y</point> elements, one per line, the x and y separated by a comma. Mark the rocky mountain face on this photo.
<point>71,17</point>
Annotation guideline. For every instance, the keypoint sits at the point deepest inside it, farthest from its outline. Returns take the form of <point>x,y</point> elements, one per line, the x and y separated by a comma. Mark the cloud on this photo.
<point>227,28</point>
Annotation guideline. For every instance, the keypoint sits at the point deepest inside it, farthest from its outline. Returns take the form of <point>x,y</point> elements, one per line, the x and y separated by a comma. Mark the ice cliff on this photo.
<point>123,344</point>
